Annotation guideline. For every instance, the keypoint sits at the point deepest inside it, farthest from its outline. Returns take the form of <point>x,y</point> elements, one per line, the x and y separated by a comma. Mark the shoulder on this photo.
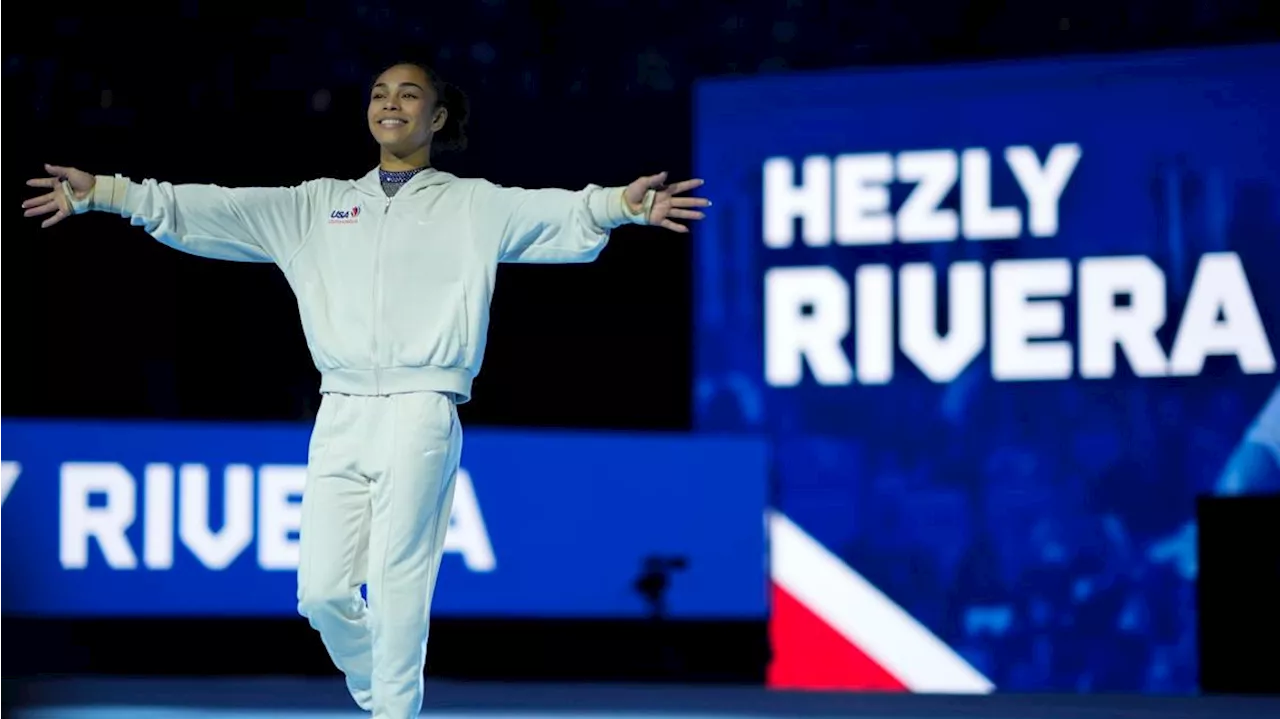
<point>330,189</point>
<point>470,189</point>
<point>466,184</point>
<point>486,191</point>
<point>326,184</point>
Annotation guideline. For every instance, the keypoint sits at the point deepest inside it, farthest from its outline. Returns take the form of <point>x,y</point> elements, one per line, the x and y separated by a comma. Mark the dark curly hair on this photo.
<point>453,136</point>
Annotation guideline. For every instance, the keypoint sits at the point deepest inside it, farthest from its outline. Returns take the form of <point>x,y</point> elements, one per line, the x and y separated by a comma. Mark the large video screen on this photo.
<point>123,519</point>
<point>1003,323</point>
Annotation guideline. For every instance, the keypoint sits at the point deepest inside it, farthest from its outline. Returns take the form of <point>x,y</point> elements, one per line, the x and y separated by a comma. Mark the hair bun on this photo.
<point>453,136</point>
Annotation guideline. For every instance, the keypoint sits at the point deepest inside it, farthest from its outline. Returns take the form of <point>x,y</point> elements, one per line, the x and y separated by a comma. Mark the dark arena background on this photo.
<point>962,401</point>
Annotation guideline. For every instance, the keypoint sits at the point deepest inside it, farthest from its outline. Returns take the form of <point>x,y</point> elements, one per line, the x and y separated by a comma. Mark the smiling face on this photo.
<point>404,112</point>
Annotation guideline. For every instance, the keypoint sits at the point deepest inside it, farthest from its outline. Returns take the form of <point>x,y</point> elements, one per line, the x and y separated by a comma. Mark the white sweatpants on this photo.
<point>375,509</point>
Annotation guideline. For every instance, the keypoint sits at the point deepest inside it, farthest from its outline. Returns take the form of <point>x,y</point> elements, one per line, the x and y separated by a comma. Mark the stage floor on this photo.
<point>105,698</point>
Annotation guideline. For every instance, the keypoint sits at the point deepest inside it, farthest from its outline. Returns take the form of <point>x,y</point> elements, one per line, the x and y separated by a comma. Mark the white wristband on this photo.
<point>646,207</point>
<point>609,208</point>
<point>79,206</point>
<point>107,196</point>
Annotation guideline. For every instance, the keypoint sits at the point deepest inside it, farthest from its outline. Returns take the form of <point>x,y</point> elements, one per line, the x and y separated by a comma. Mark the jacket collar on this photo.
<point>372,184</point>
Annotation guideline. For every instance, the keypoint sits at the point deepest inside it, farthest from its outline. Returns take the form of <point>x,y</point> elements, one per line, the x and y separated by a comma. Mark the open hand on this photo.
<point>667,207</point>
<point>55,201</point>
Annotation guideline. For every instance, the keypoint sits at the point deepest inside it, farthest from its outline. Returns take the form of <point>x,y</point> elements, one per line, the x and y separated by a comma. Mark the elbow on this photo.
<point>563,245</point>
<point>211,248</point>
<point>560,256</point>
<point>584,258</point>
<point>591,248</point>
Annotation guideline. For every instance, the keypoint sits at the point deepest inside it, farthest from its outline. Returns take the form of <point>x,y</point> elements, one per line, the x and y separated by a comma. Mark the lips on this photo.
<point>391,122</point>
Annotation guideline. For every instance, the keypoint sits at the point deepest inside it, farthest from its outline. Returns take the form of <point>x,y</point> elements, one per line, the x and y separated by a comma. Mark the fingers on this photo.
<point>656,181</point>
<point>681,187</point>
<point>686,214</point>
<point>59,216</point>
<point>690,202</point>
<point>674,226</point>
<point>42,209</point>
<point>42,199</point>
<point>50,202</point>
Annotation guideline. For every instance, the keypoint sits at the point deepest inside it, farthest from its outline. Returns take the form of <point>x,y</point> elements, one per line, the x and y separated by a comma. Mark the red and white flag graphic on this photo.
<point>832,629</point>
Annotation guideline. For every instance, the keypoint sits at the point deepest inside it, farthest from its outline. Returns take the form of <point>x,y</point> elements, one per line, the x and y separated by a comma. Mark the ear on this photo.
<point>441,117</point>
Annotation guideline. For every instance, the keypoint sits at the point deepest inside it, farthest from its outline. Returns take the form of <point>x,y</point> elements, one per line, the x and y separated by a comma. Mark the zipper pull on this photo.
<point>387,207</point>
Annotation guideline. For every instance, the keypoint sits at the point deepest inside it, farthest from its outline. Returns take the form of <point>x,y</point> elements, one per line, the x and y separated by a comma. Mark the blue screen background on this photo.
<point>571,518</point>
<point>1045,530</point>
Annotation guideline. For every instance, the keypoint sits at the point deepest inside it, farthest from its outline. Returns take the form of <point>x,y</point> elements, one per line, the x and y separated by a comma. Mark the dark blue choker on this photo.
<point>398,177</point>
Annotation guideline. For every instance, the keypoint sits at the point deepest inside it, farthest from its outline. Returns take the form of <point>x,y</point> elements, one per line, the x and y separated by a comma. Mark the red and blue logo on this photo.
<point>345,217</point>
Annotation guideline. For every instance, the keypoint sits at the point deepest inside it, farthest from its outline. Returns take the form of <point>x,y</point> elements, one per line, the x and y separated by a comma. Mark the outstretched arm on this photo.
<point>243,224</point>
<point>559,226</point>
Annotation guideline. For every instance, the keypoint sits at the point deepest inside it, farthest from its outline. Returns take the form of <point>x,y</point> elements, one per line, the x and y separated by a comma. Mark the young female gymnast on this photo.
<point>393,275</point>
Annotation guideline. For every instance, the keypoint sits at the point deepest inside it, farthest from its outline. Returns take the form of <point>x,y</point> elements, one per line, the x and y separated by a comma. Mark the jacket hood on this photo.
<point>370,184</point>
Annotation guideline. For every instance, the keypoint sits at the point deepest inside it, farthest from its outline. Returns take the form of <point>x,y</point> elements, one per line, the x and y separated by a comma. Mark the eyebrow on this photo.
<point>403,84</point>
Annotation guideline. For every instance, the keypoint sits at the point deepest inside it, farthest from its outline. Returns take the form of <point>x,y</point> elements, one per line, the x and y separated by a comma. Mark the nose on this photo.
<point>390,104</point>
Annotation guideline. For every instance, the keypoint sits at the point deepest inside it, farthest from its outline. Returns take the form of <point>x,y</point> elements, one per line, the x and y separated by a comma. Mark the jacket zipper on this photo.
<point>377,297</point>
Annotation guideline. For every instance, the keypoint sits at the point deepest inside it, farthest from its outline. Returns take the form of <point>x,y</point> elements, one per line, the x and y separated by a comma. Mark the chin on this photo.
<point>392,142</point>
